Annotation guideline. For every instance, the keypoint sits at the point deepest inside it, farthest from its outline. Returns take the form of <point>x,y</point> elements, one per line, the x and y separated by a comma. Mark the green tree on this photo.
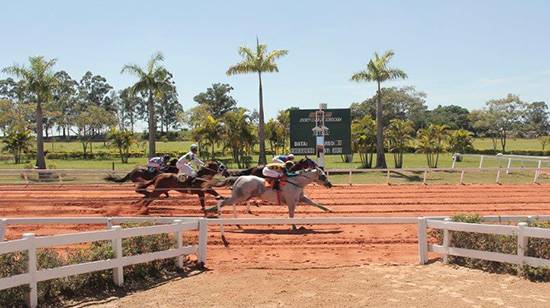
<point>17,142</point>
<point>169,109</point>
<point>39,81</point>
<point>258,61</point>
<point>544,141</point>
<point>238,134</point>
<point>94,89</point>
<point>90,121</point>
<point>123,141</point>
<point>127,104</point>
<point>217,99</point>
<point>66,100</point>
<point>501,118</point>
<point>431,141</point>
<point>363,133</point>
<point>460,141</point>
<point>209,132</point>
<point>378,71</point>
<point>405,103</point>
<point>398,135</point>
<point>153,79</point>
<point>455,117</point>
<point>536,118</point>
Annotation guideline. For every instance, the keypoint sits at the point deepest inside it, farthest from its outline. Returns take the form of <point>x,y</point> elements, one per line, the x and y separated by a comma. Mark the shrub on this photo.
<point>539,248</point>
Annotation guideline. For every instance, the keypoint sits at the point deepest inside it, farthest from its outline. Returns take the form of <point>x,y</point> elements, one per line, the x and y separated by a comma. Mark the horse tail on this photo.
<point>220,183</point>
<point>113,178</point>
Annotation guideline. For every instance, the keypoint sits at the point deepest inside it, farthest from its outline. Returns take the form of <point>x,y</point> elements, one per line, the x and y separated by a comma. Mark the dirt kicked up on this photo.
<point>276,246</point>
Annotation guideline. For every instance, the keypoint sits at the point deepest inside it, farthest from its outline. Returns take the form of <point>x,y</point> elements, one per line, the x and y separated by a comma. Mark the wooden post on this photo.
<point>388,177</point>
<point>523,242</point>
<point>462,177</point>
<point>179,243</point>
<point>422,240</point>
<point>113,166</point>
<point>509,165</point>
<point>3,227</point>
<point>498,176</point>
<point>349,178</point>
<point>32,299</point>
<point>118,270</point>
<point>203,240</point>
<point>481,161</point>
<point>425,177</point>
<point>446,241</point>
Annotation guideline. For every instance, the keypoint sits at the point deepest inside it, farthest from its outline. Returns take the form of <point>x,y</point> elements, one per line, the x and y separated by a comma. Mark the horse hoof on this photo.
<point>219,198</point>
<point>225,242</point>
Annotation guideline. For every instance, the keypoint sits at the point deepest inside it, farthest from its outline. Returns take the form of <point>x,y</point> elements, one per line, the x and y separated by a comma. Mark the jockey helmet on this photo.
<point>166,158</point>
<point>291,156</point>
<point>194,147</point>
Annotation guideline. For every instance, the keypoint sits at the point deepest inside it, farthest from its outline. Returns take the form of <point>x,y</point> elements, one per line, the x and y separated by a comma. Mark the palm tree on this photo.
<point>260,61</point>
<point>38,80</point>
<point>378,71</point>
<point>154,79</point>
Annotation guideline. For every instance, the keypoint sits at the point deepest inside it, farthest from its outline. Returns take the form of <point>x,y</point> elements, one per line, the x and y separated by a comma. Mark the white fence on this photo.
<point>177,226</point>
<point>521,231</point>
<point>30,243</point>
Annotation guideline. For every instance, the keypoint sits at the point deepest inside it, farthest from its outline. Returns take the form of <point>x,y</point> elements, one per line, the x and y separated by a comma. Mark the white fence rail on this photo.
<point>30,243</point>
<point>521,231</point>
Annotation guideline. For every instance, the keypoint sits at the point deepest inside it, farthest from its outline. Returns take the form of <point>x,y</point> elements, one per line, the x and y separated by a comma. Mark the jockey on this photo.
<point>274,172</point>
<point>155,164</point>
<point>283,158</point>
<point>184,163</point>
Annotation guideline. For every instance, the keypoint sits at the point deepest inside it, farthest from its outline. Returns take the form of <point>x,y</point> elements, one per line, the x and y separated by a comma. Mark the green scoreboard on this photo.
<point>337,133</point>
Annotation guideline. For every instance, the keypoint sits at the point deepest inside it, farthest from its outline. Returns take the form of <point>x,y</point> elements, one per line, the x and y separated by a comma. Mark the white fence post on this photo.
<point>425,176</point>
<point>422,241</point>
<point>509,165</point>
<point>349,178</point>
<point>537,173</point>
<point>118,270</point>
<point>203,241</point>
<point>3,227</point>
<point>32,300</point>
<point>462,177</point>
<point>498,176</point>
<point>481,161</point>
<point>179,243</point>
<point>388,177</point>
<point>523,241</point>
<point>446,241</point>
<point>109,223</point>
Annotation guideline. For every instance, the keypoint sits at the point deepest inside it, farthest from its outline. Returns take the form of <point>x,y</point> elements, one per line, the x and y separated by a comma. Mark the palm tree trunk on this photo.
<point>380,157</point>
<point>152,126</point>
<point>40,160</point>
<point>261,132</point>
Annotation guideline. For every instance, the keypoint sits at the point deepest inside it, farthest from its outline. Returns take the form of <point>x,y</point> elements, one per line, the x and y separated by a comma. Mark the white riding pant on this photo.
<point>187,170</point>
<point>271,173</point>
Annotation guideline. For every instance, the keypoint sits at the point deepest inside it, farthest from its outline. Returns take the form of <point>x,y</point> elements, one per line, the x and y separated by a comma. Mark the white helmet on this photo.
<point>291,156</point>
<point>194,147</point>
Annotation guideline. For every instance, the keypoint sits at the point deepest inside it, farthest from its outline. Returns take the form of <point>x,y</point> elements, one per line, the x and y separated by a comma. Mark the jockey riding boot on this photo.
<point>276,184</point>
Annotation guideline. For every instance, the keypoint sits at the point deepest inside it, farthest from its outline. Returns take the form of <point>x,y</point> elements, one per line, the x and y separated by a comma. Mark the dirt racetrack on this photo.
<point>275,246</point>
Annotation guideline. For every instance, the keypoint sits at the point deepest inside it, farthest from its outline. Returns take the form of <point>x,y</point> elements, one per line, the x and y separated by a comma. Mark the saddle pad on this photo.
<point>182,178</point>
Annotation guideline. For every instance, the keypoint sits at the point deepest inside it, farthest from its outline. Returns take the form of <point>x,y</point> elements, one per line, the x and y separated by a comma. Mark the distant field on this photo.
<point>411,160</point>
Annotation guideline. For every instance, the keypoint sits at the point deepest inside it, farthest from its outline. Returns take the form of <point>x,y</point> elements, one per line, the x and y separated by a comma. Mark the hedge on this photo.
<point>539,248</point>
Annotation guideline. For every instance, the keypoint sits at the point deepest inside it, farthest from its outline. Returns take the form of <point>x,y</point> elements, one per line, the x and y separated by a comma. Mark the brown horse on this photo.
<point>304,163</point>
<point>140,174</point>
<point>192,185</point>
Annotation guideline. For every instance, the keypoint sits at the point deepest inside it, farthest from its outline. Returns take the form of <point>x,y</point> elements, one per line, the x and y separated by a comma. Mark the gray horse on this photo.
<point>292,193</point>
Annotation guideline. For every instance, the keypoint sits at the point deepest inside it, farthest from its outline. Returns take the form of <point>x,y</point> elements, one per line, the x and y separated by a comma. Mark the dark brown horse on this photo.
<point>140,174</point>
<point>192,185</point>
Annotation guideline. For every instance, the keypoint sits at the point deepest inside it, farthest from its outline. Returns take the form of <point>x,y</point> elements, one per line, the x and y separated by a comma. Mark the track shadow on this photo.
<point>409,178</point>
<point>301,230</point>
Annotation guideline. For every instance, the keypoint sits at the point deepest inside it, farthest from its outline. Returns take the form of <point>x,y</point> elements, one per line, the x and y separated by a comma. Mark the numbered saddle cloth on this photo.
<point>182,177</point>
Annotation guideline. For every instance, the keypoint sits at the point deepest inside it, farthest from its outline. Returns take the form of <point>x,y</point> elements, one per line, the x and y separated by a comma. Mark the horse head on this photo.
<point>212,168</point>
<point>321,177</point>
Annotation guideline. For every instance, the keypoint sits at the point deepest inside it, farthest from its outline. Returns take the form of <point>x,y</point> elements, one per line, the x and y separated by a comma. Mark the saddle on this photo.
<point>277,185</point>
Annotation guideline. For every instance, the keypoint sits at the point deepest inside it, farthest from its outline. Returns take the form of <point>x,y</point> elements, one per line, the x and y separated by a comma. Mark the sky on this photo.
<point>457,52</point>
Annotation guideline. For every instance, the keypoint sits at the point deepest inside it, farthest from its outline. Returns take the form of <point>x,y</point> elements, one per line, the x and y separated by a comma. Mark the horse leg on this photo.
<point>308,201</point>
<point>291,210</point>
<point>201,199</point>
<point>214,193</point>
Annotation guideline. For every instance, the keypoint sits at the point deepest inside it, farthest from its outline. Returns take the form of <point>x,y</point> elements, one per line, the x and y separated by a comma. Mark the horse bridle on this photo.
<point>301,174</point>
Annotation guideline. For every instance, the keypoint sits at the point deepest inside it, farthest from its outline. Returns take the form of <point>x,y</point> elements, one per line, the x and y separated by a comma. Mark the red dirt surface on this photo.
<point>277,246</point>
